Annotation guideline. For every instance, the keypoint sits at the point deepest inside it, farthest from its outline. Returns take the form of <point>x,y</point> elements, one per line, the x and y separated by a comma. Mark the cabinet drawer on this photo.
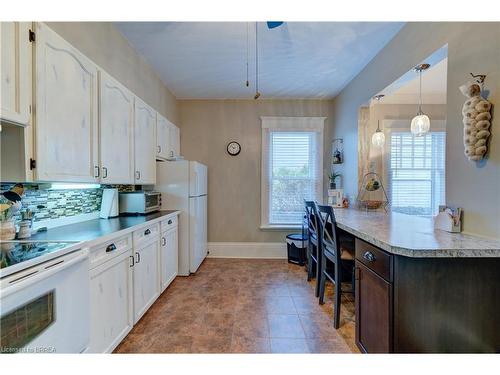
<point>374,258</point>
<point>168,223</point>
<point>146,234</point>
<point>109,249</point>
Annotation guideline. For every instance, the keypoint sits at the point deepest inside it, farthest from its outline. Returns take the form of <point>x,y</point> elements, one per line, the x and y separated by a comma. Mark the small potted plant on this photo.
<point>332,177</point>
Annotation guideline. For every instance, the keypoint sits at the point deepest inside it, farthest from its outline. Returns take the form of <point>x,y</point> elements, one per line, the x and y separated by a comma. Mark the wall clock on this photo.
<point>233,148</point>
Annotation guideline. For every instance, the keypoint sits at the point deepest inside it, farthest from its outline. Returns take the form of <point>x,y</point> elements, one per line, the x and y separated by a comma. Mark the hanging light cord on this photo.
<point>420,93</point>
<point>247,83</point>
<point>378,120</point>
<point>257,93</point>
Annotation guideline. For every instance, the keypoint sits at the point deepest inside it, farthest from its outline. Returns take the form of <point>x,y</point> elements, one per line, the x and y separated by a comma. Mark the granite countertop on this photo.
<point>412,236</point>
<point>100,229</point>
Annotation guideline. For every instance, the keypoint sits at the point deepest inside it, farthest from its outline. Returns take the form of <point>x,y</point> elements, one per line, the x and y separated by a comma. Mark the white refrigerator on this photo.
<point>183,187</point>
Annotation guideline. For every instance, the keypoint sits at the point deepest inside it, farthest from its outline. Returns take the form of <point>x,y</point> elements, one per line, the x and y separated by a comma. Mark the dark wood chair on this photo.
<point>336,260</point>
<point>313,243</point>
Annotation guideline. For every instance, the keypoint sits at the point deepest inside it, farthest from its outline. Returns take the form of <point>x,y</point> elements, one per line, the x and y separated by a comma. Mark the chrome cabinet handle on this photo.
<point>147,231</point>
<point>104,172</point>
<point>163,241</point>
<point>96,171</point>
<point>369,256</point>
<point>137,175</point>
<point>169,222</point>
<point>111,248</point>
<point>171,153</point>
<point>138,260</point>
<point>159,149</point>
<point>133,261</point>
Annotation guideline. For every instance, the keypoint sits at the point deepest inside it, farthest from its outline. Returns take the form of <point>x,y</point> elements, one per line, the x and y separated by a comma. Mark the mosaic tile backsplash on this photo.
<point>54,204</point>
<point>49,204</point>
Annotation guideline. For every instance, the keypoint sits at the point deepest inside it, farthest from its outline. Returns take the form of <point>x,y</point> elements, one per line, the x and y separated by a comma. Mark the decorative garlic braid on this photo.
<point>477,121</point>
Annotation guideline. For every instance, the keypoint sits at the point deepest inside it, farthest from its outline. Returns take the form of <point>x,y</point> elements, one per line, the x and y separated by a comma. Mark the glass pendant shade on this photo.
<point>420,124</point>
<point>378,138</point>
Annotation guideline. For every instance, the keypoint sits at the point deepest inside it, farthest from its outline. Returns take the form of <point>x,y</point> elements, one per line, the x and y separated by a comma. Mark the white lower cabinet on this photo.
<point>126,276</point>
<point>111,295</point>
<point>169,253</point>
<point>146,270</point>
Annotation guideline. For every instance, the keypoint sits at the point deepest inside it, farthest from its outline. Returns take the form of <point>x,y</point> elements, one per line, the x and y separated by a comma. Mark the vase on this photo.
<point>7,230</point>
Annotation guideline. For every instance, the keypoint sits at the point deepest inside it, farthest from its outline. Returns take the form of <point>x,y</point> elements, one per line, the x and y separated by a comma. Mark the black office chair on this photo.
<point>313,243</point>
<point>336,261</point>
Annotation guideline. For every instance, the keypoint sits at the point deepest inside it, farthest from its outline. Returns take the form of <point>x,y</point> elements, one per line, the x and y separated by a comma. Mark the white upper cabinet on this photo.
<point>175,142</point>
<point>116,127</point>
<point>162,137</point>
<point>15,72</point>
<point>66,111</point>
<point>145,143</point>
<point>168,139</point>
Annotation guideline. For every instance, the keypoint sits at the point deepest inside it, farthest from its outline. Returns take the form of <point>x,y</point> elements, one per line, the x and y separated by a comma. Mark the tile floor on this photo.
<point>243,306</point>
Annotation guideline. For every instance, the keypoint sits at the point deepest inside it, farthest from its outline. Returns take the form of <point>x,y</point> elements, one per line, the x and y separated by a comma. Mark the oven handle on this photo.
<point>43,271</point>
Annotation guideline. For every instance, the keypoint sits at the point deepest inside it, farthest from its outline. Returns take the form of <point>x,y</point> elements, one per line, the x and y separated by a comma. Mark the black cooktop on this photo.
<point>12,253</point>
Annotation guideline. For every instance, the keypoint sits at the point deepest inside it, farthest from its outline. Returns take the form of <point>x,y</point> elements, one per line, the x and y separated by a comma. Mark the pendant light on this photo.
<point>420,124</point>
<point>378,138</point>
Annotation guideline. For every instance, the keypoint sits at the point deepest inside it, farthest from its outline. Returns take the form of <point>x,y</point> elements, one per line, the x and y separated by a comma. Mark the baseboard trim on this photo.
<point>252,250</point>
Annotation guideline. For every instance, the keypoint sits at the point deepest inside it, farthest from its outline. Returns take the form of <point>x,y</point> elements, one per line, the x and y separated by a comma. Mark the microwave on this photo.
<point>139,202</point>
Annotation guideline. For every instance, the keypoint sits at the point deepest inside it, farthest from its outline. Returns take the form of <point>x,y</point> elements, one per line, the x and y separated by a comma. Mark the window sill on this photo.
<point>270,227</point>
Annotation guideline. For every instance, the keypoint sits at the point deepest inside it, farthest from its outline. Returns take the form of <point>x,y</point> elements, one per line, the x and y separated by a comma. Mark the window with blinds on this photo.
<point>416,173</point>
<point>292,175</point>
<point>291,168</point>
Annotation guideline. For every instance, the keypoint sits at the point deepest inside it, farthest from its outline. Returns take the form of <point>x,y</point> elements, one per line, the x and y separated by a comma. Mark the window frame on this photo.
<point>401,126</point>
<point>272,124</point>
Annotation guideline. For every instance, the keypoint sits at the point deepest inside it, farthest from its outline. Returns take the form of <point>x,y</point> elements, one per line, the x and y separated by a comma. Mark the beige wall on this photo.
<point>472,47</point>
<point>106,46</point>
<point>234,181</point>
<point>381,112</point>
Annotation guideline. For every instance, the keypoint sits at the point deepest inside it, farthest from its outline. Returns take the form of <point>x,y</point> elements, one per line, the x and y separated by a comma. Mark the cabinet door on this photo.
<point>174,149</point>
<point>162,137</point>
<point>146,278</point>
<point>373,311</point>
<point>116,126</point>
<point>110,303</point>
<point>15,73</point>
<point>66,105</point>
<point>145,143</point>
<point>169,257</point>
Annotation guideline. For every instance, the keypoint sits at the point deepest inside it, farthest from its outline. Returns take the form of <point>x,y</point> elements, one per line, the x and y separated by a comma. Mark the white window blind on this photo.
<point>416,172</point>
<point>291,171</point>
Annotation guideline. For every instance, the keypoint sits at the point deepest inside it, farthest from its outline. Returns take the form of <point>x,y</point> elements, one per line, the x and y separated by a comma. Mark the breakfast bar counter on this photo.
<point>422,290</point>
<point>412,236</point>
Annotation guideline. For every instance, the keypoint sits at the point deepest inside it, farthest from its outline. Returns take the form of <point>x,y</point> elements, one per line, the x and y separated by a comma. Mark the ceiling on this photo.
<point>433,87</point>
<point>207,60</point>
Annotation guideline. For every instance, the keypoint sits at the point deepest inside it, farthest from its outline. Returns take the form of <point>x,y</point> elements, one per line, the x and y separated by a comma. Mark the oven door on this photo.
<point>151,202</point>
<point>45,308</point>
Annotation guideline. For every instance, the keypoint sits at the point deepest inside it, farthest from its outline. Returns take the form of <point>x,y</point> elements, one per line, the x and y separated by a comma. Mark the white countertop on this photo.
<point>412,236</point>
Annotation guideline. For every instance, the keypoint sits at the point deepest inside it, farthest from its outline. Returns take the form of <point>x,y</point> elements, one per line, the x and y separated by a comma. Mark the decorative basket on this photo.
<point>371,194</point>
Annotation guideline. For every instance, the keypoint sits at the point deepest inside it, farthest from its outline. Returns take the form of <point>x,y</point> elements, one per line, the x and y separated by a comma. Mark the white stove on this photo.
<point>44,297</point>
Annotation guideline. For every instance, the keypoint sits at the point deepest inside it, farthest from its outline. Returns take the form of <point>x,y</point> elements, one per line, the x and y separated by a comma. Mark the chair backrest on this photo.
<point>312,219</point>
<point>328,229</point>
